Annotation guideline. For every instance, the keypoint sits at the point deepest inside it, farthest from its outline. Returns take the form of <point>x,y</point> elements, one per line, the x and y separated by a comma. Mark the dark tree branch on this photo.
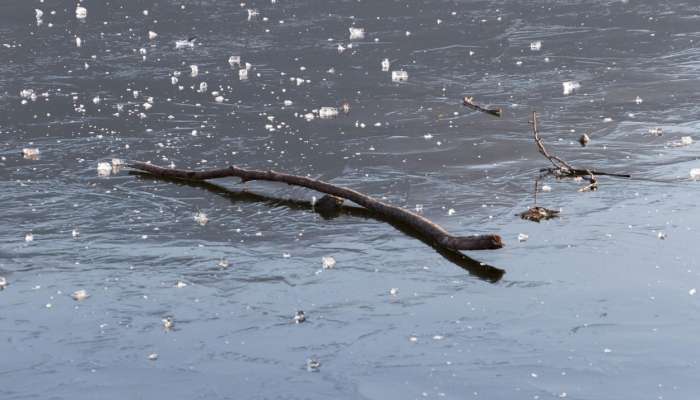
<point>417,222</point>
<point>476,268</point>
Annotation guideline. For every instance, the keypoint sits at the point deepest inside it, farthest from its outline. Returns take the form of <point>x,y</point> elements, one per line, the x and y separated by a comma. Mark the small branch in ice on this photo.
<point>417,222</point>
<point>468,101</point>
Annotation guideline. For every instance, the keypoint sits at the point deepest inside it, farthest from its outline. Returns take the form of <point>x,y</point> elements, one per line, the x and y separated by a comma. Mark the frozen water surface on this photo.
<point>596,278</point>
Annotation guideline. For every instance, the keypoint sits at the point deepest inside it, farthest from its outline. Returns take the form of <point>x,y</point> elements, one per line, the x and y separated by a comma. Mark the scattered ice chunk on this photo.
<point>152,35</point>
<point>223,263</point>
<point>194,70</point>
<point>29,237</point>
<point>661,235</point>
<point>570,86</point>
<point>38,14</point>
<point>399,76</point>
<point>242,74</point>
<point>299,317</point>
<point>685,141</point>
<point>75,233</point>
<point>413,339</point>
<point>80,295</point>
<point>386,64</point>
<point>536,45</point>
<point>153,356</point>
<point>695,173</point>
<point>219,99</point>
<point>30,153</point>
<point>328,112</point>
<point>328,262</point>
<point>201,218</point>
<point>3,282</point>
<point>341,48</point>
<point>607,350</point>
<point>313,365</point>
<point>692,291</point>
<point>180,284</point>
<point>356,33</point>
<point>96,100</point>
<point>182,43</point>
<point>546,188</point>
<point>78,42</point>
<point>656,131</point>
<point>27,94</point>
<point>309,116</point>
<point>288,103</point>
<point>522,237</point>
<point>168,323</point>
<point>80,12</point>
<point>394,291</point>
<point>234,60</point>
<point>104,168</point>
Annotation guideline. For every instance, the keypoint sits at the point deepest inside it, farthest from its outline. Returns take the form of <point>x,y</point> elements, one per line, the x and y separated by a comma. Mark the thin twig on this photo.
<point>561,167</point>
<point>468,101</point>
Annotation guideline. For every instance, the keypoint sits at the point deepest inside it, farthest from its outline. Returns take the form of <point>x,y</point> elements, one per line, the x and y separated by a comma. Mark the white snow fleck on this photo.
<point>399,76</point>
<point>80,295</point>
<point>570,87</point>
<point>328,262</point>
<point>328,112</point>
<point>201,218</point>
<point>80,12</point>
<point>104,168</point>
<point>356,33</point>
<point>386,64</point>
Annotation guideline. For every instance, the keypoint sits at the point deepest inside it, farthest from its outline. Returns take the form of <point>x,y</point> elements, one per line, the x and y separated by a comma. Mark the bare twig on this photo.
<point>417,222</point>
<point>468,101</point>
<point>561,167</point>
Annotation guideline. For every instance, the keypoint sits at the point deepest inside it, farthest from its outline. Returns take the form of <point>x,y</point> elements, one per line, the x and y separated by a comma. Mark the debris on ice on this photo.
<point>570,87</point>
<point>399,76</point>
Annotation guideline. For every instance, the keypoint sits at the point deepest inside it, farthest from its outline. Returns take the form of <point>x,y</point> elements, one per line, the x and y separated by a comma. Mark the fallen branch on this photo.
<point>469,102</point>
<point>476,268</point>
<point>417,222</point>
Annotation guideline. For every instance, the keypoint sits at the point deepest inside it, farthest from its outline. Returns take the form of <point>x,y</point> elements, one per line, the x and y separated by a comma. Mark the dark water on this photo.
<point>594,305</point>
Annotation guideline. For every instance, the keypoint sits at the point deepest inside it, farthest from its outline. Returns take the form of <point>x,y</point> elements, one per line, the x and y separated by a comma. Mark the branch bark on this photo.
<point>420,224</point>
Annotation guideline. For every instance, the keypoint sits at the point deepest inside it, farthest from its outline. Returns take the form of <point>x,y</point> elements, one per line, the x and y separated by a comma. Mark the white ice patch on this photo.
<point>80,12</point>
<point>399,76</point>
<point>570,87</point>
<point>356,33</point>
